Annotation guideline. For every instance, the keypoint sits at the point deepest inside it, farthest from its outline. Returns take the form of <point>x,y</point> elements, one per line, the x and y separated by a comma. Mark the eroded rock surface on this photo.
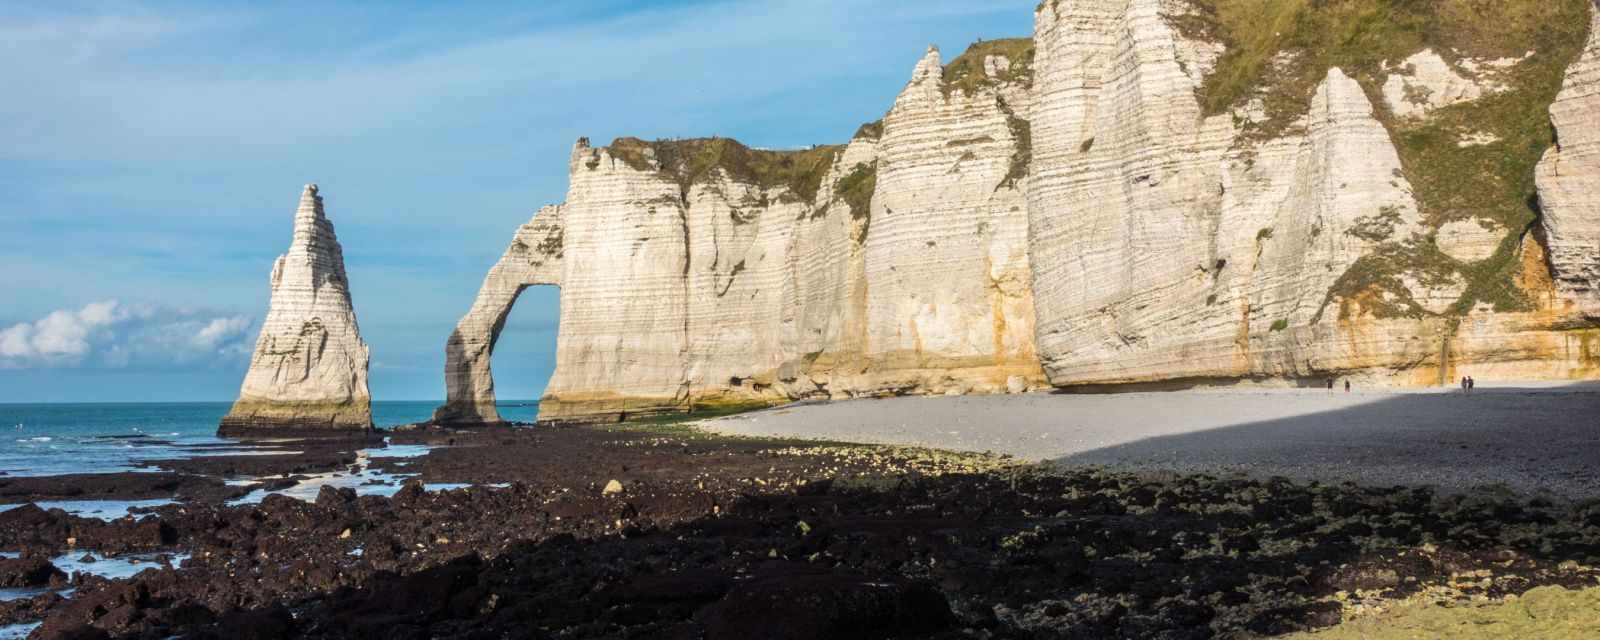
<point>309,369</point>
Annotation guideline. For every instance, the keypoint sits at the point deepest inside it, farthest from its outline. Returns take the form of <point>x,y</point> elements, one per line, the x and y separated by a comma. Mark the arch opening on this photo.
<point>534,258</point>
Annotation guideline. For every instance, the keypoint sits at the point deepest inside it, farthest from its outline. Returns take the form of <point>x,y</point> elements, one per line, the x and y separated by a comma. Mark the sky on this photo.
<point>152,155</point>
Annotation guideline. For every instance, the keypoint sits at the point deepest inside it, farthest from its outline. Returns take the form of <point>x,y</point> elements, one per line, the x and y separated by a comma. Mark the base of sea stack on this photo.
<point>592,409</point>
<point>256,420</point>
<point>256,429</point>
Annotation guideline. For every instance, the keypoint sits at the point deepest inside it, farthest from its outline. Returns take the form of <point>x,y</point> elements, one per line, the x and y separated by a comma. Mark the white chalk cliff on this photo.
<point>1569,182</point>
<point>309,369</point>
<point>1078,209</point>
<point>1171,245</point>
<point>701,273</point>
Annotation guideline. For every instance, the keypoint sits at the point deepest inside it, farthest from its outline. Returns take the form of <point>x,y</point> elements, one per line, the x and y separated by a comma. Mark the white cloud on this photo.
<point>110,334</point>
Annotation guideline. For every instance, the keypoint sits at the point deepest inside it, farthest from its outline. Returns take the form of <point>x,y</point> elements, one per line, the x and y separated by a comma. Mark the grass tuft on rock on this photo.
<point>869,131</point>
<point>966,73</point>
<point>689,161</point>
<point>856,189</point>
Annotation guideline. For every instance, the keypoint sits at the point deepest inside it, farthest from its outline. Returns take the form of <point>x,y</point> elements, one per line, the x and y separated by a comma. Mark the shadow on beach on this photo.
<point>1528,439</point>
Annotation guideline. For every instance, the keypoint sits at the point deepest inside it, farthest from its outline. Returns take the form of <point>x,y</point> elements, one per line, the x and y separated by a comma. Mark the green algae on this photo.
<point>1545,612</point>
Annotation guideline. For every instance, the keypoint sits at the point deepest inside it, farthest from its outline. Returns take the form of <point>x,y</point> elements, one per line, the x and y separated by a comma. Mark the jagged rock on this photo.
<point>949,298</point>
<point>1569,181</point>
<point>309,369</point>
<point>33,571</point>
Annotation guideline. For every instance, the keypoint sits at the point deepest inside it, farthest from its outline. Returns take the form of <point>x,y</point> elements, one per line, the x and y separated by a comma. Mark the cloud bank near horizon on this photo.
<point>110,334</point>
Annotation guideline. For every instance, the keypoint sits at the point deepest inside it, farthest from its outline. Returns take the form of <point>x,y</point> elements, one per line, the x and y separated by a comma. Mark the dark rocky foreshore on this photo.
<point>712,537</point>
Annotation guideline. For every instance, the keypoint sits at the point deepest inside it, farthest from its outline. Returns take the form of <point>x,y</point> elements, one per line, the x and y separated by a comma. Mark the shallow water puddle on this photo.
<point>113,567</point>
<point>99,509</point>
<point>399,451</point>
<point>365,480</point>
<point>23,593</point>
<point>18,631</point>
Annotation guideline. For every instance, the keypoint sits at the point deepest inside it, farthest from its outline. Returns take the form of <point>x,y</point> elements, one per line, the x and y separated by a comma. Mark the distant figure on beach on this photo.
<point>1347,386</point>
<point>1471,383</point>
<point>1330,384</point>
<point>1463,384</point>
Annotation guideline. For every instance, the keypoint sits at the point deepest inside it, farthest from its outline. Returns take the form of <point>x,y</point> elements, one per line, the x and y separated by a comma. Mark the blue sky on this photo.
<point>151,156</point>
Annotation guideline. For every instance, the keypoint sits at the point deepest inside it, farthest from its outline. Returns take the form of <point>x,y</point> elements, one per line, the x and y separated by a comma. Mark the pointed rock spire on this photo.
<point>309,370</point>
<point>929,67</point>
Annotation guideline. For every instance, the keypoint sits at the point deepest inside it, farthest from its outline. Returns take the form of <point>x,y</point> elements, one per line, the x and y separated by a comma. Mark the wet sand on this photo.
<point>1533,438</point>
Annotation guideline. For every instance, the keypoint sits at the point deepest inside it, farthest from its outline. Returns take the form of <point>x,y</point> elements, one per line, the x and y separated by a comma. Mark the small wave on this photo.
<point>36,439</point>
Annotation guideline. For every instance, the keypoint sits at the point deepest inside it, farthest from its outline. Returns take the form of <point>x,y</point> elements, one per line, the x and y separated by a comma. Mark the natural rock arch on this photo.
<point>534,258</point>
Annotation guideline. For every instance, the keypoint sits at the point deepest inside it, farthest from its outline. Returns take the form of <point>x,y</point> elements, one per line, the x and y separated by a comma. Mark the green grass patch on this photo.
<point>695,412</point>
<point>869,131</point>
<point>856,189</point>
<point>1280,324</point>
<point>1376,279</point>
<point>799,173</point>
<point>966,73</point>
<point>1376,228</point>
<point>1022,149</point>
<point>1279,51</point>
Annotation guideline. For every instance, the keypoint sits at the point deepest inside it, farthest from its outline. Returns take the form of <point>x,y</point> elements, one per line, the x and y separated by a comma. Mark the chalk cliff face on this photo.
<point>1172,242</point>
<point>309,370</point>
<point>1146,191</point>
<point>702,273</point>
<point>1569,182</point>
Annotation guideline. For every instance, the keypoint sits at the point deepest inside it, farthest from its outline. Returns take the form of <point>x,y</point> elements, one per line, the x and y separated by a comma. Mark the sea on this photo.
<point>53,439</point>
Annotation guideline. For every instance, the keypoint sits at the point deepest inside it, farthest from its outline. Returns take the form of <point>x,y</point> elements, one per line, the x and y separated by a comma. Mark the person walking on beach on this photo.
<point>1347,386</point>
<point>1463,384</point>
<point>1471,383</point>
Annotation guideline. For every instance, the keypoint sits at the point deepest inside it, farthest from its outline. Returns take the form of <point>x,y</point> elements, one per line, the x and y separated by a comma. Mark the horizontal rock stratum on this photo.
<point>309,369</point>
<point>1145,191</point>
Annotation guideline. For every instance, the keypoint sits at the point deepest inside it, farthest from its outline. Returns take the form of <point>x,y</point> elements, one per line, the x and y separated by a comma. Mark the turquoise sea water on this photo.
<point>49,439</point>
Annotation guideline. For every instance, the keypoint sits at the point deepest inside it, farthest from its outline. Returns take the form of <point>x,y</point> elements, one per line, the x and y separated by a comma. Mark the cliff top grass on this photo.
<point>1279,51</point>
<point>966,72</point>
<point>693,160</point>
<point>869,131</point>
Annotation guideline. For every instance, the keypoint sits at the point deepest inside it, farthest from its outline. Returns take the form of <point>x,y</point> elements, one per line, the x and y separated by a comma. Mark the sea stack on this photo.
<point>309,370</point>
